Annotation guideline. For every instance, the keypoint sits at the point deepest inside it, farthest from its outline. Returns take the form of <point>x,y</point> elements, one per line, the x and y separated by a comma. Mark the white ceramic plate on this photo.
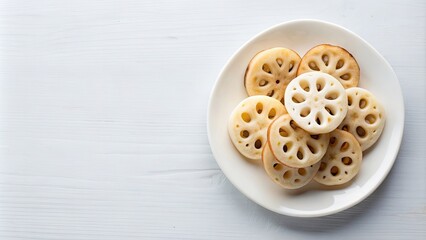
<point>313,200</point>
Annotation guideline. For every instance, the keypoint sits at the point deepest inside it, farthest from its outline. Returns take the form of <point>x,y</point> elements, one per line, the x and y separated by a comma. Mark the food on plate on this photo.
<point>270,71</point>
<point>287,177</point>
<point>365,118</point>
<point>306,118</point>
<point>342,160</point>
<point>316,101</point>
<point>249,122</point>
<point>333,60</point>
<point>293,146</point>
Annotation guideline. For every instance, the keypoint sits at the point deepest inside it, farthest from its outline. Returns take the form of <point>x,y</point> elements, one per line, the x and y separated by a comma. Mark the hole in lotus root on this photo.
<point>345,128</point>
<point>277,81</point>
<point>246,117</point>
<point>305,111</point>
<point>316,137</point>
<point>323,166</point>
<point>370,118</point>
<point>270,94</point>
<point>279,61</point>
<point>320,84</point>
<point>313,66</point>
<point>293,124</point>
<point>266,68</point>
<point>349,100</point>
<point>334,171</point>
<point>263,83</point>
<point>258,144</point>
<point>291,66</point>
<point>346,172</point>
<point>287,146</point>
<point>247,145</point>
<point>244,134</point>
<point>344,146</point>
<point>332,141</point>
<point>361,131</point>
<point>278,167</point>
<point>346,76</point>
<point>347,161</point>
<point>298,98</point>
<point>340,64</point>
<point>304,85</point>
<point>299,154</point>
<point>312,149</point>
<point>296,180</point>
<point>301,171</point>
<point>362,103</point>
<point>325,59</point>
<point>283,132</point>
<point>330,110</point>
<point>259,108</point>
<point>318,118</point>
<point>287,175</point>
<point>332,95</point>
<point>272,113</point>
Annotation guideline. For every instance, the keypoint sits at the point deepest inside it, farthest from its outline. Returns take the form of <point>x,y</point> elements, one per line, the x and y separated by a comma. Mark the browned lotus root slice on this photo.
<point>287,177</point>
<point>293,146</point>
<point>365,118</point>
<point>333,60</point>
<point>270,71</point>
<point>249,121</point>
<point>342,161</point>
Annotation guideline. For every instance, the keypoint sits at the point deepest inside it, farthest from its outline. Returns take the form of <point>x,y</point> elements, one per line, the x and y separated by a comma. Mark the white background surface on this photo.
<point>103,120</point>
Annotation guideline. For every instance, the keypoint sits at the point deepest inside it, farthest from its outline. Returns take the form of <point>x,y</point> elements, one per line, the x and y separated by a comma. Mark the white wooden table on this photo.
<point>103,120</point>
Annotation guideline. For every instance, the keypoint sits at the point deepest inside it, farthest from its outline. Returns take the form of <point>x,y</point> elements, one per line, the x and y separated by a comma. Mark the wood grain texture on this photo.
<point>103,120</point>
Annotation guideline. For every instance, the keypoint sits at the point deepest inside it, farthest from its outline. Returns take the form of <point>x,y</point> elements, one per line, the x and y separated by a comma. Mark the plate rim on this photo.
<point>399,128</point>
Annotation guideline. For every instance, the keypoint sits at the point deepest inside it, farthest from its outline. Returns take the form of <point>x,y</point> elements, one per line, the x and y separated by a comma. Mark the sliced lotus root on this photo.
<point>270,71</point>
<point>316,101</point>
<point>333,60</point>
<point>287,177</point>
<point>365,118</point>
<point>293,146</point>
<point>342,161</point>
<point>249,121</point>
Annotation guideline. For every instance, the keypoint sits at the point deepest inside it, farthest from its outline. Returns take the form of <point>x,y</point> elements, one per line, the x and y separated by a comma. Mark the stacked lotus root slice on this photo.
<point>305,118</point>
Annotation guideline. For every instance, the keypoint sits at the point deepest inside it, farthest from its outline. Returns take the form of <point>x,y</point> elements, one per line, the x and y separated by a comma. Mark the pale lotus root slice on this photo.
<point>287,177</point>
<point>365,118</point>
<point>293,146</point>
<point>270,71</point>
<point>333,60</point>
<point>316,101</point>
<point>249,121</point>
<point>342,161</point>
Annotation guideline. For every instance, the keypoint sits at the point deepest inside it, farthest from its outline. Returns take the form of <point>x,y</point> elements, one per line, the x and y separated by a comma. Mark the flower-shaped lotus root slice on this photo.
<point>270,71</point>
<point>249,121</point>
<point>333,60</point>
<point>287,177</point>
<point>293,146</point>
<point>317,102</point>
<point>365,118</point>
<point>342,161</point>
